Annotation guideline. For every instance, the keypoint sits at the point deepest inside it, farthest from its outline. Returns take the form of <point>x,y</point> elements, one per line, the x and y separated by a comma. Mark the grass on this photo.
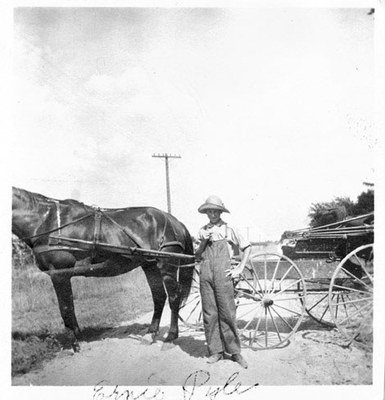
<point>37,327</point>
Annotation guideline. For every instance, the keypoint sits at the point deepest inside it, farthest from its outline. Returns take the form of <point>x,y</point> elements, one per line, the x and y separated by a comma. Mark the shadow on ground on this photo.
<point>92,334</point>
<point>29,350</point>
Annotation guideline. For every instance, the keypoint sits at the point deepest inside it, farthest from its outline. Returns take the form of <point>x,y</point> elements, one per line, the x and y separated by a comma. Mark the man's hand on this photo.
<point>235,272</point>
<point>201,248</point>
<point>206,234</point>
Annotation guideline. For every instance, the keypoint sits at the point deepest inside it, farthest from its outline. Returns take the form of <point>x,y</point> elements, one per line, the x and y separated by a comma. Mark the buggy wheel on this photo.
<point>268,310</point>
<point>351,294</point>
<point>190,312</point>
<point>317,302</point>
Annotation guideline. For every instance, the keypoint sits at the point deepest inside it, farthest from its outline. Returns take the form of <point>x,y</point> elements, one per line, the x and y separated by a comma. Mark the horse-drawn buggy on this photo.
<point>273,294</point>
<point>325,273</point>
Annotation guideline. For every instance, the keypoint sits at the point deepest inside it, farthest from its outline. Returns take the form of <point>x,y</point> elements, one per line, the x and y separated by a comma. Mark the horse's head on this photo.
<point>28,210</point>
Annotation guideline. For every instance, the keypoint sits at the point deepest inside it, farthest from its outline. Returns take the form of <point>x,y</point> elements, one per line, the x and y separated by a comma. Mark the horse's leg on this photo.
<point>169,274</point>
<point>159,296</point>
<point>63,289</point>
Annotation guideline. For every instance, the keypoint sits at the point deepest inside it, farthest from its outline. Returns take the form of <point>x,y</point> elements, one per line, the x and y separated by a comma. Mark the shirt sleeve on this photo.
<point>200,233</point>
<point>239,240</point>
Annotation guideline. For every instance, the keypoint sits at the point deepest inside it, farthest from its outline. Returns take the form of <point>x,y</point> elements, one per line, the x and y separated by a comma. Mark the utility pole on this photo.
<point>248,231</point>
<point>166,157</point>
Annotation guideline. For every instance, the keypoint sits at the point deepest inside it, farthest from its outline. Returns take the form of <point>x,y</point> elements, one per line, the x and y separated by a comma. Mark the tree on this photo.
<point>328,212</point>
<point>324,213</point>
<point>365,203</point>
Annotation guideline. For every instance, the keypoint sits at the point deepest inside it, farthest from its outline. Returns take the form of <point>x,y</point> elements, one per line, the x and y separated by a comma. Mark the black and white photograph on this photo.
<point>191,192</point>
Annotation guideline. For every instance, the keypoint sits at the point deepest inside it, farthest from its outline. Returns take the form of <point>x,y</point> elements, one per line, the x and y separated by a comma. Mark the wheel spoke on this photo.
<point>287,298</point>
<point>354,305</point>
<point>356,279</point>
<point>259,320</point>
<point>256,281</point>
<point>351,289</point>
<point>359,311</point>
<point>194,308</point>
<point>247,313</point>
<point>285,274</point>
<point>275,325</point>
<point>364,268</point>
<point>190,301</point>
<point>246,304</point>
<point>317,303</point>
<point>248,295</point>
<point>251,286</point>
<point>353,301</point>
<point>265,271</point>
<point>324,313</point>
<point>337,307</point>
<point>273,277</point>
<point>287,309</point>
<point>282,319</point>
<point>257,311</point>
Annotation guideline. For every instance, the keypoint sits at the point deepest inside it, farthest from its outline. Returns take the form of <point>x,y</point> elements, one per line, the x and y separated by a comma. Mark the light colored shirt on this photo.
<point>222,230</point>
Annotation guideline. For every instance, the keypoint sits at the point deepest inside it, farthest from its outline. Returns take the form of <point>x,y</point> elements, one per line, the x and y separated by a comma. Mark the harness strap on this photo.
<point>58,228</point>
<point>45,248</point>
<point>175,243</point>
<point>97,226</point>
<point>163,244</point>
<point>58,214</point>
<point>163,233</point>
<point>121,227</point>
<point>98,220</point>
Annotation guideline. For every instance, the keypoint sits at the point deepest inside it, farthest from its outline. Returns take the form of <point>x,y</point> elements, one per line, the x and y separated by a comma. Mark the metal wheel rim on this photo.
<point>351,300</point>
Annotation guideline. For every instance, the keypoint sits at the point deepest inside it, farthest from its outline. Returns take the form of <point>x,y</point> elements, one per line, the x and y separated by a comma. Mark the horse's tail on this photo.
<point>186,273</point>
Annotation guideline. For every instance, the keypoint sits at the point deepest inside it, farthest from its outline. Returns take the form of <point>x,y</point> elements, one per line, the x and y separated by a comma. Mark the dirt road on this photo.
<point>117,357</point>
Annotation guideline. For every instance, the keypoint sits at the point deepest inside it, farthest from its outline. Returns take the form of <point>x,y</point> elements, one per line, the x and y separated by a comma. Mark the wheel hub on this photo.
<point>267,302</point>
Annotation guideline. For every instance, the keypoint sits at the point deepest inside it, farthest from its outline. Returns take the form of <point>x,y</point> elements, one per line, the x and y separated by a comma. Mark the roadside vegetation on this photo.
<point>340,208</point>
<point>100,303</point>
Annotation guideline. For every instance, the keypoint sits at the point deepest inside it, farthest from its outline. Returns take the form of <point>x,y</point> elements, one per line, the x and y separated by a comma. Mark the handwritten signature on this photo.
<point>191,388</point>
<point>201,377</point>
<point>100,393</point>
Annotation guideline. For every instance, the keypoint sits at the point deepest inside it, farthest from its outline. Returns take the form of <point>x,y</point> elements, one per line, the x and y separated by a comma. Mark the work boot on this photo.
<point>215,358</point>
<point>240,360</point>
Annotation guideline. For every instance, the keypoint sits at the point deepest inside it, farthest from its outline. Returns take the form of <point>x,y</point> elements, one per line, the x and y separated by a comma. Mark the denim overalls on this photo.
<point>217,294</point>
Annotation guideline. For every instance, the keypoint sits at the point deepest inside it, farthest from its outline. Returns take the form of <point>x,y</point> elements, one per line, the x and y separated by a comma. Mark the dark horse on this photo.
<point>70,238</point>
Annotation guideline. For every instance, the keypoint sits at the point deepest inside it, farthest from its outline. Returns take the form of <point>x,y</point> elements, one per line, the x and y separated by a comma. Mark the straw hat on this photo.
<point>212,203</point>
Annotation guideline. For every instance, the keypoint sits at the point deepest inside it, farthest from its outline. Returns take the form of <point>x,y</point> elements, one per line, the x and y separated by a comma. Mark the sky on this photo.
<point>272,109</point>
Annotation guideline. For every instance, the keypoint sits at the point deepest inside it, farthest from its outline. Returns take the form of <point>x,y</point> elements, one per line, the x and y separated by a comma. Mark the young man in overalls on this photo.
<point>219,242</point>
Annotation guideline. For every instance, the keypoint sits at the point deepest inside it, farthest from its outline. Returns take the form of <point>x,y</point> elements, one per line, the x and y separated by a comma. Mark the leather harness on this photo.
<point>56,242</point>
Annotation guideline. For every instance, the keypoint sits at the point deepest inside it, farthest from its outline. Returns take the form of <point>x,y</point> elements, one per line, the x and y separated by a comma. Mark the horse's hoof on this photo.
<point>148,339</point>
<point>76,347</point>
<point>168,346</point>
<point>78,334</point>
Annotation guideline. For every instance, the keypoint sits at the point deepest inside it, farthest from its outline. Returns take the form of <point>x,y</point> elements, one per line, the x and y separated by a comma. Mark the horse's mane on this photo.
<point>37,199</point>
<point>34,199</point>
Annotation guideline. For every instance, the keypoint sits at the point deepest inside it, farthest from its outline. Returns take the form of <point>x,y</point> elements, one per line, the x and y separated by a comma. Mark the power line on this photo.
<point>166,157</point>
